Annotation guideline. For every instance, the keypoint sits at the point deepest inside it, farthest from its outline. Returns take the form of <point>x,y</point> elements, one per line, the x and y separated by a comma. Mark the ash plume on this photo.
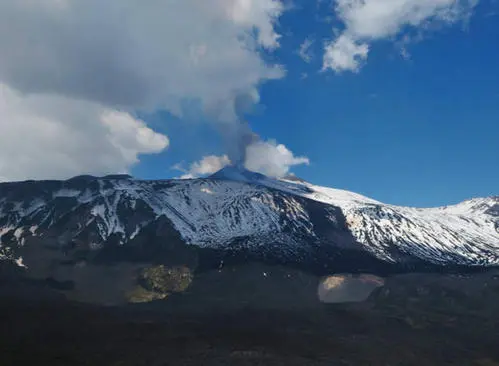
<point>238,141</point>
<point>241,135</point>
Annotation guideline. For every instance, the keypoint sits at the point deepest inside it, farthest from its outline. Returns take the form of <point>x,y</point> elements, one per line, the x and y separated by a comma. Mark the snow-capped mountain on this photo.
<point>238,211</point>
<point>466,233</point>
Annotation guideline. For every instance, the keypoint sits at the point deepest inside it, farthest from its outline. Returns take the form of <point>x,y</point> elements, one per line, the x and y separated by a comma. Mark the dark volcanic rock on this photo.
<point>257,314</point>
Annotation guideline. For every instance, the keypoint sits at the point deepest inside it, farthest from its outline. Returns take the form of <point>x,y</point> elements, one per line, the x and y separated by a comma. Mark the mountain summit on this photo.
<point>238,173</point>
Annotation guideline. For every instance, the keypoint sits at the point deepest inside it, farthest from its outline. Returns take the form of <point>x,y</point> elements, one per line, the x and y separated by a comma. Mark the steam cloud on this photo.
<point>266,157</point>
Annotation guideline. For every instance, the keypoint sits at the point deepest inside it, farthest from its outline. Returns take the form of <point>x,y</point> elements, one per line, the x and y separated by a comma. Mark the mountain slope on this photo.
<point>240,211</point>
<point>467,232</point>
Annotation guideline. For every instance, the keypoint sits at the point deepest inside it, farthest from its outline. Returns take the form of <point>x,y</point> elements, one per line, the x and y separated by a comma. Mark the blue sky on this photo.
<point>394,99</point>
<point>422,131</point>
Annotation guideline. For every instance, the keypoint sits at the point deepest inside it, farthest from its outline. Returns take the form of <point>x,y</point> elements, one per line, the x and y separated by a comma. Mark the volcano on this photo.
<point>62,229</point>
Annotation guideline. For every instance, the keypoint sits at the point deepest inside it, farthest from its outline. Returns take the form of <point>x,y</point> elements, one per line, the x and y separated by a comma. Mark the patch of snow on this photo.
<point>34,206</point>
<point>19,262</point>
<point>95,246</point>
<point>5,230</point>
<point>99,211</point>
<point>135,233</point>
<point>86,197</point>
<point>206,190</point>
<point>18,233</point>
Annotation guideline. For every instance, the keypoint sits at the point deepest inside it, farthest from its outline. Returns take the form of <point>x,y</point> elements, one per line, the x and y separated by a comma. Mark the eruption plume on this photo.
<point>237,132</point>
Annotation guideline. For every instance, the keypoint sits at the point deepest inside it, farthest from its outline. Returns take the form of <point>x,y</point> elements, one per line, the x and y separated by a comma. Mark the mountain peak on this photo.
<point>238,173</point>
<point>293,178</point>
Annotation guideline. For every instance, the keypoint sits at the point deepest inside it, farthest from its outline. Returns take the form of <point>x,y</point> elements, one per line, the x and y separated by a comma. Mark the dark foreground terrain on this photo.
<point>234,319</point>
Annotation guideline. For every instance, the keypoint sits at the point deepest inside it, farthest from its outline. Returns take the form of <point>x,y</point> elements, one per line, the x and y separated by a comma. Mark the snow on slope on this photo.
<point>207,213</point>
<point>463,232</point>
<point>211,213</point>
<point>466,233</point>
<point>235,203</point>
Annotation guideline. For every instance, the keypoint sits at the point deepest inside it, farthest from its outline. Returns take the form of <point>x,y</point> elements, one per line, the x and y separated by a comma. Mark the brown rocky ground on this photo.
<point>265,316</point>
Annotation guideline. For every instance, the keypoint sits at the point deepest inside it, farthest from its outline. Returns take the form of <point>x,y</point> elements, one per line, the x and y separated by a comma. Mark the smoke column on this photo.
<point>239,134</point>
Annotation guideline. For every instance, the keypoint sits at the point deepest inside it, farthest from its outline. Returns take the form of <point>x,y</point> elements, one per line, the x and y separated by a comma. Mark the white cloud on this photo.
<point>272,159</point>
<point>305,52</point>
<point>71,65</point>
<point>266,157</point>
<point>46,137</point>
<point>129,54</point>
<point>345,54</point>
<point>259,14</point>
<point>131,136</point>
<point>370,20</point>
<point>206,166</point>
